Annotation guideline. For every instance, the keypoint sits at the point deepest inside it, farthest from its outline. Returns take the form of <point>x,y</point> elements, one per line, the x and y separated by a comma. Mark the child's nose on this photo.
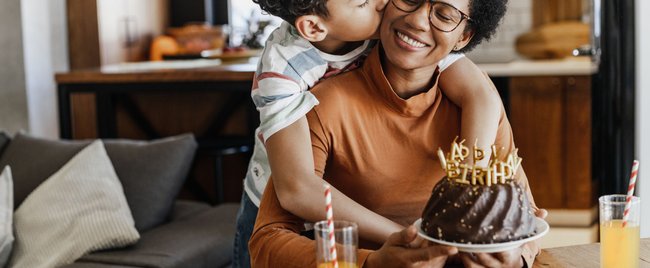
<point>381,4</point>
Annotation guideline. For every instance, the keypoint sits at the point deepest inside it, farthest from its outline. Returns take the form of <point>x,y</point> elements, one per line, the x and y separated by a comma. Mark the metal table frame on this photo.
<point>107,96</point>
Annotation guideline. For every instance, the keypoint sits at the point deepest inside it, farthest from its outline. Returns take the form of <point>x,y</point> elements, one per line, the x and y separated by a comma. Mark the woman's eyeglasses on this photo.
<point>442,16</point>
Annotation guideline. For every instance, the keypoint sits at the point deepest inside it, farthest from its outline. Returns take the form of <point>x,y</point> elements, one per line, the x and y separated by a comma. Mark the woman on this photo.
<point>376,133</point>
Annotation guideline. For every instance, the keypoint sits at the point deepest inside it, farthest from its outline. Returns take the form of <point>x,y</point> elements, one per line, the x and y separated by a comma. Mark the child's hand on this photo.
<point>541,213</point>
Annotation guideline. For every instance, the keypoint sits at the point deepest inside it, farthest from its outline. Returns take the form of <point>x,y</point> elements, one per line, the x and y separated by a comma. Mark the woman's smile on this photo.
<point>408,42</point>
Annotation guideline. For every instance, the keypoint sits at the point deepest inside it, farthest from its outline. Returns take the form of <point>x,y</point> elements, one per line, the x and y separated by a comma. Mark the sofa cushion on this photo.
<point>94,265</point>
<point>151,173</point>
<point>186,209</point>
<point>79,209</point>
<point>203,240</point>
<point>4,140</point>
<point>6,215</point>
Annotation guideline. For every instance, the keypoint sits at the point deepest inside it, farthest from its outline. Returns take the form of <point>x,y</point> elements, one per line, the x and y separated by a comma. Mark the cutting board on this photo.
<point>553,40</point>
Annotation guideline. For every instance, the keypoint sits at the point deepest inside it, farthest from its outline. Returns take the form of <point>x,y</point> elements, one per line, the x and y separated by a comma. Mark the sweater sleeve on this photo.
<point>276,239</point>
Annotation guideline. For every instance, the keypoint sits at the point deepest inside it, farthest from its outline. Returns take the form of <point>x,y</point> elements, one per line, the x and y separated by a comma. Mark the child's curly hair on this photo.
<point>289,10</point>
<point>486,16</point>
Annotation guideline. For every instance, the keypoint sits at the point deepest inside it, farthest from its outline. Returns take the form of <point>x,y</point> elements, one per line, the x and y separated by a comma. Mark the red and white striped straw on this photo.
<point>630,192</point>
<point>330,224</point>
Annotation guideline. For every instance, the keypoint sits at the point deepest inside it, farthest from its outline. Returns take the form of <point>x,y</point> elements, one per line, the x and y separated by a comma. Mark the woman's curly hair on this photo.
<point>289,10</point>
<point>486,16</point>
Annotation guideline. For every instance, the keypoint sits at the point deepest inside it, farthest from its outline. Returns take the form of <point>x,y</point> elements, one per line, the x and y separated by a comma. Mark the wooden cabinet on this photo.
<point>550,11</point>
<point>551,121</point>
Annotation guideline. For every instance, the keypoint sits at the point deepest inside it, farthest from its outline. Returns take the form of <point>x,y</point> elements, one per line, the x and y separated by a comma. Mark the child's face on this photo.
<point>354,20</point>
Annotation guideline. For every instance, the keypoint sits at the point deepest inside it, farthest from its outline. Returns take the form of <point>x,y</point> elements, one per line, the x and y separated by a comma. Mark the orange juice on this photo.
<point>342,264</point>
<point>619,247</point>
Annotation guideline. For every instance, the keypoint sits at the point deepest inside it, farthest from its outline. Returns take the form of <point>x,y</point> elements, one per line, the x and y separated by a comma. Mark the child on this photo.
<point>318,39</point>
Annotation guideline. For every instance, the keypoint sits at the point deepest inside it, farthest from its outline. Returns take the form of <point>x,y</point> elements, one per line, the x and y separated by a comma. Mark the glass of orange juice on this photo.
<point>346,242</point>
<point>619,243</point>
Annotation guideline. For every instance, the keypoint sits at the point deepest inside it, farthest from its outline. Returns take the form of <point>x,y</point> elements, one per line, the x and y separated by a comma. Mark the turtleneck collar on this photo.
<point>413,106</point>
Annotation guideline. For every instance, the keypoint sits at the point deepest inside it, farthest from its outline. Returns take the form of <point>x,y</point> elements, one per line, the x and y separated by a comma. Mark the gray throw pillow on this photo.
<point>79,209</point>
<point>6,215</point>
<point>152,173</point>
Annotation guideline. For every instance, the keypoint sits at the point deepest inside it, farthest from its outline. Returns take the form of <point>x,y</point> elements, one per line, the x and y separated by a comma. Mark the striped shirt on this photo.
<point>289,66</point>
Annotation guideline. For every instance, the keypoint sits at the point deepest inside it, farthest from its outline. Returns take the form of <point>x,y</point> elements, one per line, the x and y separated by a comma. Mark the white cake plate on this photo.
<point>541,228</point>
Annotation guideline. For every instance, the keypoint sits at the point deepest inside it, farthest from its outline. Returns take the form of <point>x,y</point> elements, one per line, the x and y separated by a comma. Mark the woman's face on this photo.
<point>411,42</point>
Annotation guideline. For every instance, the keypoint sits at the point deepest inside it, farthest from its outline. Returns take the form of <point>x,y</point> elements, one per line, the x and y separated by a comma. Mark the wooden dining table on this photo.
<point>584,256</point>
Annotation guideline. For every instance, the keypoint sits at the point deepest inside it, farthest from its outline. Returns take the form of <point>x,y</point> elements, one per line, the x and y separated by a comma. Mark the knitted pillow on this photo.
<point>6,215</point>
<point>79,209</point>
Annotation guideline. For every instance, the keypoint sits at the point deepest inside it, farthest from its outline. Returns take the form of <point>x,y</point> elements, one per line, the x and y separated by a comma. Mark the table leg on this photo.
<point>65,114</point>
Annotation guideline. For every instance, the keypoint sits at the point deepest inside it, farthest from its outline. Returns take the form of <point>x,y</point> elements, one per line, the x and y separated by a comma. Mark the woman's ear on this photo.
<point>311,28</point>
<point>464,39</point>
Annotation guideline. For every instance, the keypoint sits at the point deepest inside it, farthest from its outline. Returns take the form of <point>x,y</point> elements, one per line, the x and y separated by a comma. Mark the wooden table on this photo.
<point>583,256</point>
<point>108,84</point>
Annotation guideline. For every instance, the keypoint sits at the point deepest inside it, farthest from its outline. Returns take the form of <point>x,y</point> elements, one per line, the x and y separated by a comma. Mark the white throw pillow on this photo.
<point>79,209</point>
<point>6,215</point>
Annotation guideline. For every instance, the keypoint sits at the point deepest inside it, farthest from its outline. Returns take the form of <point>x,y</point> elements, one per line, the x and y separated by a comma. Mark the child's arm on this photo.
<point>469,88</point>
<point>300,190</point>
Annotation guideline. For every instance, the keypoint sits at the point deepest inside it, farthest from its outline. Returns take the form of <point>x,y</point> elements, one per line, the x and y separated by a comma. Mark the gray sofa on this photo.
<point>174,233</point>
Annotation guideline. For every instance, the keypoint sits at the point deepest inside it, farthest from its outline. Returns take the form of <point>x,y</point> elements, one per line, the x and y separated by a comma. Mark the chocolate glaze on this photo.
<point>477,214</point>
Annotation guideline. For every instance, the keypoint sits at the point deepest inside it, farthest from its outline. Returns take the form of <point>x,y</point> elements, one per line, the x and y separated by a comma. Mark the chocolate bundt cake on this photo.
<point>478,214</point>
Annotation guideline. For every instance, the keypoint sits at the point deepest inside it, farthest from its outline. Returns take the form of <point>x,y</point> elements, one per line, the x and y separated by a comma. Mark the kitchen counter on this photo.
<point>163,71</point>
<point>214,70</point>
<point>560,67</point>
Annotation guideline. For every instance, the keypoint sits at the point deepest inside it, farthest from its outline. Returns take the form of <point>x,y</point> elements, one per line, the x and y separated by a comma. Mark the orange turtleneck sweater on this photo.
<point>375,147</point>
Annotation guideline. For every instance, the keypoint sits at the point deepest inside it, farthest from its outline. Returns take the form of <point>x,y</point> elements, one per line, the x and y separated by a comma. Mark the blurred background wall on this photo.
<point>34,47</point>
<point>13,97</point>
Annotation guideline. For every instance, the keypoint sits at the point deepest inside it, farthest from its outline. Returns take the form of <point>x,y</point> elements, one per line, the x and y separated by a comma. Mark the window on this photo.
<point>245,18</point>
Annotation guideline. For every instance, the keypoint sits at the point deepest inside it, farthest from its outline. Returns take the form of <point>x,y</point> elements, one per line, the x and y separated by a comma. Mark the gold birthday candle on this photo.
<point>497,171</point>
<point>459,151</point>
<point>488,175</point>
<point>443,162</point>
<point>463,174</point>
<point>452,169</point>
<point>493,155</point>
<point>477,176</point>
<point>465,169</point>
<point>514,161</point>
<point>479,154</point>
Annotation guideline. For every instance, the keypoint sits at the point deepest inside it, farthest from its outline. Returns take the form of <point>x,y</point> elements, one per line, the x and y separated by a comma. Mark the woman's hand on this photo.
<point>397,252</point>
<point>507,259</point>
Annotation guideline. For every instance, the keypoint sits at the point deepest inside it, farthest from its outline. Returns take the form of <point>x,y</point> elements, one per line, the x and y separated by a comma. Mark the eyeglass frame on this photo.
<point>431,2</point>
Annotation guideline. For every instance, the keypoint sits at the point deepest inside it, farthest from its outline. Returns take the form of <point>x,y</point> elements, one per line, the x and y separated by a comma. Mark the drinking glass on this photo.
<point>347,241</point>
<point>619,242</point>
